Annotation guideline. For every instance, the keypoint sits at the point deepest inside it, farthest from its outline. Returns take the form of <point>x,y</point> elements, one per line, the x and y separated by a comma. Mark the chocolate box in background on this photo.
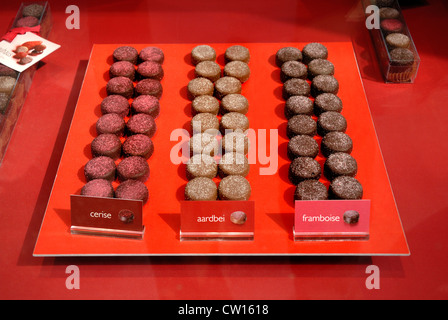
<point>14,86</point>
<point>397,56</point>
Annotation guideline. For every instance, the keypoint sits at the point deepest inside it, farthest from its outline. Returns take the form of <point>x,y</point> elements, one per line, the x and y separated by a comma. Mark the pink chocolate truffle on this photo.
<point>152,54</point>
<point>146,104</point>
<point>98,188</point>
<point>110,123</point>
<point>126,53</point>
<point>120,86</point>
<point>106,144</point>
<point>151,70</point>
<point>150,87</point>
<point>115,104</point>
<point>141,123</point>
<point>133,168</point>
<point>100,168</point>
<point>138,145</point>
<point>133,190</point>
<point>122,69</point>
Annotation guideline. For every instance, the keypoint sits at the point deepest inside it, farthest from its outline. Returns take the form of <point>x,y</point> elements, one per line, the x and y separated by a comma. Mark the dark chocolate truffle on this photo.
<point>340,164</point>
<point>301,124</point>
<point>201,189</point>
<point>122,69</point>
<point>106,144</point>
<point>134,167</point>
<point>146,104</point>
<point>205,103</point>
<point>141,123</point>
<point>389,13</point>
<point>237,53</point>
<point>201,165</point>
<point>293,69</point>
<point>233,163</point>
<point>327,102</point>
<point>295,87</point>
<point>125,53</point>
<point>236,141</point>
<point>120,86</point>
<point>152,54</point>
<point>287,54</point>
<point>401,57</point>
<point>205,122</point>
<point>138,145</point>
<point>320,66</point>
<point>314,51</point>
<point>132,190</point>
<point>398,40</point>
<point>336,142</point>
<point>234,121</point>
<point>237,69</point>
<point>208,69</point>
<point>149,87</point>
<point>345,187</point>
<point>200,86</point>
<point>324,84</point>
<point>33,10</point>
<point>202,53</point>
<point>150,70</point>
<point>331,121</point>
<point>234,188</point>
<point>384,3</point>
<point>304,168</point>
<point>227,85</point>
<point>351,216</point>
<point>100,168</point>
<point>302,146</point>
<point>235,102</point>
<point>204,143</point>
<point>98,188</point>
<point>110,123</point>
<point>311,190</point>
<point>115,104</point>
<point>298,105</point>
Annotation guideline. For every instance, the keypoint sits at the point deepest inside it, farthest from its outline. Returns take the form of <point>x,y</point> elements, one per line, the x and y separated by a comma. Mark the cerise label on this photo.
<point>332,219</point>
<point>217,219</point>
<point>90,213</point>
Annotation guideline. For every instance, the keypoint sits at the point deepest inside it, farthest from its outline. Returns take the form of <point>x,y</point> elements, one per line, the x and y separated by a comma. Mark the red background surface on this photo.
<point>409,120</point>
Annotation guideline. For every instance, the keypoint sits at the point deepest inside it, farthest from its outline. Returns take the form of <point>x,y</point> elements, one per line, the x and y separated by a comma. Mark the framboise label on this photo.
<point>332,219</point>
<point>25,50</point>
<point>106,216</point>
<point>217,220</point>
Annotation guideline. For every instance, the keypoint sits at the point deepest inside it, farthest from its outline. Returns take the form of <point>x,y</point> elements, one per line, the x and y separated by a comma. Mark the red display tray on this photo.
<point>272,194</point>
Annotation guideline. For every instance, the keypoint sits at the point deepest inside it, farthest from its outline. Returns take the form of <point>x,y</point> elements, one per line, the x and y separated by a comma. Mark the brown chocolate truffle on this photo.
<point>205,103</point>
<point>202,53</point>
<point>100,168</point>
<point>146,104</point>
<point>304,168</point>
<point>106,144</point>
<point>340,164</point>
<point>327,102</point>
<point>401,57</point>
<point>314,51</point>
<point>301,124</point>
<point>302,146</point>
<point>293,69</point>
<point>311,190</point>
<point>98,188</point>
<point>235,102</point>
<point>236,141</point>
<point>295,87</point>
<point>233,163</point>
<point>208,69</point>
<point>351,216</point>
<point>298,105</point>
<point>138,145</point>
<point>201,165</point>
<point>132,190</point>
<point>120,86</point>
<point>336,141</point>
<point>237,53</point>
<point>125,53</point>
<point>134,167</point>
<point>398,40</point>
<point>227,85</point>
<point>122,69</point>
<point>141,123</point>
<point>115,104</point>
<point>149,87</point>
<point>331,121</point>
<point>233,121</point>
<point>204,143</point>
<point>345,187</point>
<point>287,54</point>
<point>110,123</point>
<point>205,122</point>
<point>201,189</point>
<point>389,13</point>
<point>237,69</point>
<point>320,66</point>
<point>324,84</point>
<point>234,188</point>
<point>200,86</point>
<point>33,10</point>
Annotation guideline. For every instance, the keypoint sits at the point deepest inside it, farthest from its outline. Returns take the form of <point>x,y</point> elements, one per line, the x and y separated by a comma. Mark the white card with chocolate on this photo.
<point>25,50</point>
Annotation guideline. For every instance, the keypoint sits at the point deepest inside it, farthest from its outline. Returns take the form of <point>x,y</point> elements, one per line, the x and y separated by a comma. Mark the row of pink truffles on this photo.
<point>123,144</point>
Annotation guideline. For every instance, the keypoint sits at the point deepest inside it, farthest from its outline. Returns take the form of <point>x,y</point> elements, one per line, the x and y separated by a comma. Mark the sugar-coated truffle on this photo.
<point>7,84</point>
<point>234,187</point>
<point>295,105</point>
<point>149,87</point>
<point>340,164</point>
<point>201,165</point>
<point>287,54</point>
<point>336,141</point>
<point>106,144</point>
<point>138,145</point>
<point>324,84</point>
<point>152,54</point>
<point>235,102</point>
<point>301,124</point>
<point>345,187</point>
<point>314,51</point>
<point>304,168</point>
<point>7,71</point>
<point>141,123</point>
<point>237,69</point>
<point>115,104</point>
<point>150,70</point>
<point>205,103</point>
<point>320,66</point>
<point>132,190</point>
<point>4,99</point>
<point>293,69</point>
<point>389,13</point>
<point>122,69</point>
<point>311,190</point>
<point>205,122</point>
<point>233,163</point>
<point>200,86</point>
<point>236,141</point>
<point>208,69</point>
<point>331,121</point>
<point>146,104</point>
<point>125,53</point>
<point>134,167</point>
<point>100,168</point>
<point>27,22</point>
<point>201,53</point>
<point>204,143</point>
<point>391,25</point>
<point>233,121</point>
<point>227,85</point>
<point>401,57</point>
<point>98,188</point>
<point>237,53</point>
<point>33,10</point>
<point>398,40</point>
<point>120,86</point>
<point>302,146</point>
<point>110,123</point>
<point>327,102</point>
<point>295,87</point>
<point>201,189</point>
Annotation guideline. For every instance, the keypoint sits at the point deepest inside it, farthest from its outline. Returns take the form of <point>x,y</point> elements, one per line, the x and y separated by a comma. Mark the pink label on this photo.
<point>106,213</point>
<point>332,219</point>
<point>217,218</point>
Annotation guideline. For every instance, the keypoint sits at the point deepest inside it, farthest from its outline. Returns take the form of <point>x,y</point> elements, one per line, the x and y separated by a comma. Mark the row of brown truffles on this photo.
<point>124,130</point>
<point>312,109</point>
<point>218,106</point>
